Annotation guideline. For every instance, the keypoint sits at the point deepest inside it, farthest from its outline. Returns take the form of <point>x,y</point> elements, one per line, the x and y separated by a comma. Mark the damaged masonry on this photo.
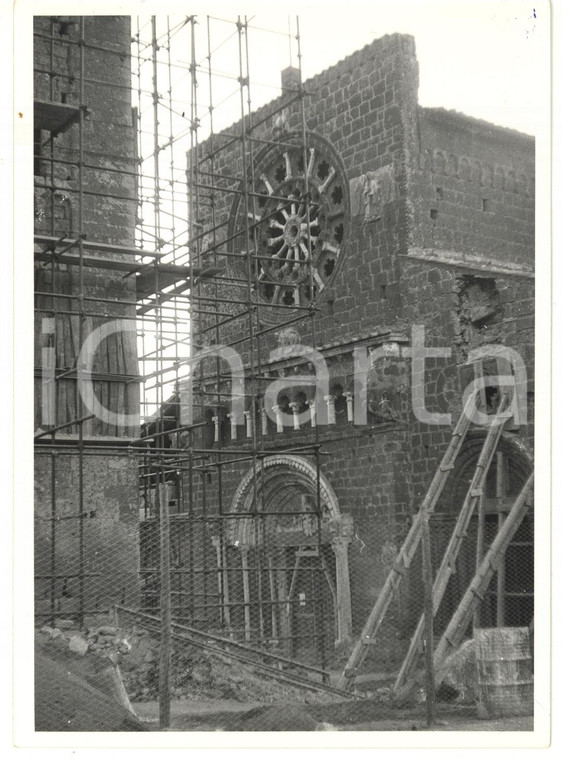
<point>284,395</point>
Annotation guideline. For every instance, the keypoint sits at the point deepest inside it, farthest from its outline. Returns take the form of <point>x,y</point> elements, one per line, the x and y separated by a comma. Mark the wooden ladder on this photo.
<point>408,549</point>
<point>474,594</point>
<point>447,567</point>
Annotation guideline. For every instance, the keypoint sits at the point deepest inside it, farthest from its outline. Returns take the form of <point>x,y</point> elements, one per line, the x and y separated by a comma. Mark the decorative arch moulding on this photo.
<point>499,176</point>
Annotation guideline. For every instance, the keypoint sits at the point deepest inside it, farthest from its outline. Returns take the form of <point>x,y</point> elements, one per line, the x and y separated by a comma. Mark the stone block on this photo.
<point>78,645</point>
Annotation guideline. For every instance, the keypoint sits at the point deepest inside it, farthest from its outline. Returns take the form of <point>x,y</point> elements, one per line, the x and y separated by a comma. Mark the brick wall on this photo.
<point>473,189</point>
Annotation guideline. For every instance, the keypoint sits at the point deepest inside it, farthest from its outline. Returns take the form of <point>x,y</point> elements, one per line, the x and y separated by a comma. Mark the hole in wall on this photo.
<point>492,393</point>
<point>337,195</point>
<point>329,265</point>
<point>288,298</point>
<point>433,213</point>
<point>280,173</point>
<point>323,170</point>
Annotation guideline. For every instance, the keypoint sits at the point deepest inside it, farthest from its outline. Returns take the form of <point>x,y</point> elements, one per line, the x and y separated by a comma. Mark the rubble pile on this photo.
<point>200,674</point>
<point>196,673</point>
<point>76,687</point>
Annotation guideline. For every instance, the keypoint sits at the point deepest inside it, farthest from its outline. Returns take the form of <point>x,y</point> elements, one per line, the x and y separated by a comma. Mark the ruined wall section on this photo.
<point>108,210</point>
<point>468,276</point>
<point>109,533</point>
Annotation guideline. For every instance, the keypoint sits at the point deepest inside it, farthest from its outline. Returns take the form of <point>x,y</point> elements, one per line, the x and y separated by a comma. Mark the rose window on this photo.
<point>298,237</point>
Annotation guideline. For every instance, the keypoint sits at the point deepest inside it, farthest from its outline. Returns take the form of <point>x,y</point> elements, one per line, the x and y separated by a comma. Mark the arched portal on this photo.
<point>509,600</point>
<point>287,559</point>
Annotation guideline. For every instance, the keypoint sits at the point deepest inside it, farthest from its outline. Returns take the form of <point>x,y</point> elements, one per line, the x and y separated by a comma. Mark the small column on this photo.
<point>340,547</point>
<point>312,407</point>
<point>216,424</point>
<point>246,589</point>
<point>248,417</point>
<point>331,409</point>
<point>349,401</point>
<point>233,422</point>
<point>295,409</point>
<point>278,421</point>
<point>222,580</point>
<point>263,416</point>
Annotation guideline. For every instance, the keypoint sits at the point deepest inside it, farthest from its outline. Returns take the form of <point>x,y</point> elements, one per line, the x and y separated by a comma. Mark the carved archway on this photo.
<point>279,486</point>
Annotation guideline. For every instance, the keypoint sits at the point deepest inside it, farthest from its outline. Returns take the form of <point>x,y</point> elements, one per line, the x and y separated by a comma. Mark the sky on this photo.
<point>486,59</point>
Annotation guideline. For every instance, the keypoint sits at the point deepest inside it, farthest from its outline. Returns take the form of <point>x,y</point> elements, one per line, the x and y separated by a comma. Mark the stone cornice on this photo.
<point>474,262</point>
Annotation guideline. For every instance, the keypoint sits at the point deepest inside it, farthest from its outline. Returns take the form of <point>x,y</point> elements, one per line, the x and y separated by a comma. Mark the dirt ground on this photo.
<point>367,715</point>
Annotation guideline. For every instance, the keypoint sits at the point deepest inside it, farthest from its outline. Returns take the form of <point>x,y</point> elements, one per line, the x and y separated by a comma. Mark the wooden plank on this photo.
<point>112,369</point>
<point>69,411</point>
<point>121,369</point>
<point>89,245</point>
<point>60,388</point>
<point>131,367</point>
<point>103,354</point>
<point>90,427</point>
<point>165,609</point>
<point>428,615</point>
<point>480,531</point>
<point>500,601</point>
<point>54,117</point>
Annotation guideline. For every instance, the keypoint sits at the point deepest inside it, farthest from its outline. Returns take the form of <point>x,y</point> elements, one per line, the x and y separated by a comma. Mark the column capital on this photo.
<point>340,542</point>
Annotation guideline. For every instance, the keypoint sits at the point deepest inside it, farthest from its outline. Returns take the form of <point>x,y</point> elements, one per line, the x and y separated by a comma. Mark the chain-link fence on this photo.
<point>211,560</point>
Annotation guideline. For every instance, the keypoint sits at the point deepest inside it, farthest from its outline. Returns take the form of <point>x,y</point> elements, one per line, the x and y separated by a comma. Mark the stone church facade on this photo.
<point>426,223</point>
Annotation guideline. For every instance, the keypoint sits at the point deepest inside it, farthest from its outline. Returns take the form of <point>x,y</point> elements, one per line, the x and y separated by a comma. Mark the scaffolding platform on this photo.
<point>54,117</point>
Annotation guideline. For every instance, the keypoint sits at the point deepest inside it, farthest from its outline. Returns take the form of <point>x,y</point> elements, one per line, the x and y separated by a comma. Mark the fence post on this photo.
<point>428,615</point>
<point>165,606</point>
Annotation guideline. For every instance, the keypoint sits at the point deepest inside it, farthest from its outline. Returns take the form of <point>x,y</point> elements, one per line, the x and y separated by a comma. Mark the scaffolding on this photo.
<point>167,228</point>
<point>212,583</point>
<point>191,113</point>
